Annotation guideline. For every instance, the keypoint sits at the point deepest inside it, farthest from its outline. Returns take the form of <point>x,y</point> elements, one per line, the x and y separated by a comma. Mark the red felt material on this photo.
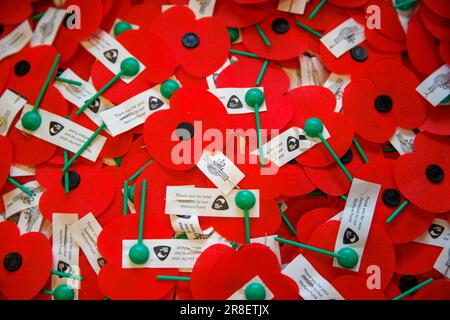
<point>440,7</point>
<point>36,253</point>
<point>329,16</point>
<point>422,46</point>
<point>385,44</point>
<point>410,177</point>
<point>245,73</point>
<point>236,15</point>
<point>311,220</point>
<point>188,80</point>
<point>349,3</point>
<point>5,159</point>
<point>436,290</point>
<point>415,258</point>
<point>89,289</point>
<point>297,182</point>
<point>437,121</point>
<point>5,70</point>
<point>378,251</point>
<point>436,24</point>
<point>214,45</point>
<point>444,51</point>
<point>233,271</point>
<point>115,208</point>
<point>355,288</point>
<point>14,12</point>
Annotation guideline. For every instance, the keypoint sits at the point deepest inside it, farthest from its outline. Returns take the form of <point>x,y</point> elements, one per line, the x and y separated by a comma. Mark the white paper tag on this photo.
<point>269,241</point>
<point>65,250</point>
<point>295,77</point>
<point>289,145</point>
<point>30,220</point>
<point>21,170</point>
<point>206,202</point>
<point>403,141</point>
<point>16,40</point>
<point>168,253</point>
<point>337,84</point>
<point>186,224</point>
<point>109,52</point>
<point>311,285</point>
<point>442,263</point>
<point>134,111</point>
<point>436,87</point>
<point>233,99</point>
<point>344,37</point>
<point>240,294</point>
<point>86,231</point>
<point>10,105</point>
<point>47,27</point>
<point>220,170</point>
<point>78,95</point>
<point>64,133</point>
<point>16,200</point>
<point>312,72</point>
<point>292,6</point>
<point>357,219</point>
<point>202,8</point>
<point>438,234</point>
<point>211,79</point>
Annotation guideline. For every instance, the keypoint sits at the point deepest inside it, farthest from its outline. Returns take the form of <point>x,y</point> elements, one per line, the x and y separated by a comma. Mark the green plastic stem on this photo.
<point>263,36</point>
<point>46,83</point>
<point>286,221</point>
<point>69,81</point>
<point>258,131</point>
<point>247,226</point>
<point>37,16</point>
<point>234,245</point>
<point>413,289</point>
<point>306,247</point>
<point>389,150</point>
<point>21,187</point>
<point>360,150</point>
<point>335,157</point>
<point>396,212</point>
<point>50,292</point>
<point>66,173</point>
<point>316,9</point>
<point>137,173</point>
<point>244,53</point>
<point>317,193</point>
<point>177,278</point>
<point>309,29</point>
<point>398,5</point>
<point>262,72</point>
<point>125,197</point>
<point>66,275</point>
<point>343,197</point>
<point>84,147</point>
<point>99,93</point>
<point>142,210</point>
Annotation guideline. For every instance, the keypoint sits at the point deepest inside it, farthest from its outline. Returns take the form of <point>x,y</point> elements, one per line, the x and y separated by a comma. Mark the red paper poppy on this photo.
<point>436,24</point>
<point>286,39</point>
<point>118,283</point>
<point>356,288</point>
<point>436,290</point>
<point>175,137</point>
<point>27,262</point>
<point>437,121</point>
<point>5,160</point>
<point>188,80</point>
<point>244,74</point>
<point>143,14</point>
<point>349,3</point>
<point>14,12</point>
<point>415,258</point>
<point>390,26</point>
<point>421,175</point>
<point>384,43</point>
<point>201,46</point>
<point>422,47</point>
<point>444,51</point>
<point>4,73</point>
<point>237,15</point>
<point>332,180</point>
<point>378,251</point>
<point>439,7</point>
<point>328,17</point>
<point>311,220</point>
<point>81,63</point>
<point>319,102</point>
<point>401,283</point>
<point>412,221</point>
<point>297,182</point>
<point>233,271</point>
<point>380,103</point>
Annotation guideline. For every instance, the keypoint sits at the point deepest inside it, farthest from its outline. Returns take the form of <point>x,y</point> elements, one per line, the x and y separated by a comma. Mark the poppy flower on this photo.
<point>401,283</point>
<point>245,73</point>
<point>297,182</point>
<point>142,14</point>
<point>437,25</point>
<point>311,220</point>
<point>201,46</point>
<point>118,283</point>
<point>236,15</point>
<point>171,135</point>
<point>437,121</point>
<point>233,270</point>
<point>319,102</point>
<point>412,221</point>
<point>377,251</point>
<point>5,160</point>
<point>27,262</point>
<point>358,290</point>
<point>14,12</point>
<point>286,39</point>
<point>381,103</point>
<point>436,290</point>
<point>421,175</point>
<point>414,258</point>
<point>151,51</point>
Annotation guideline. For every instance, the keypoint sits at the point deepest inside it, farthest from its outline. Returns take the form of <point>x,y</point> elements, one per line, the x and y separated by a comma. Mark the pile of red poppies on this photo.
<point>243,44</point>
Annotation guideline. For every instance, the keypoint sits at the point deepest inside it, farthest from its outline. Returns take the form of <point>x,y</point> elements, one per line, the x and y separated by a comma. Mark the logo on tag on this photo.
<point>111,55</point>
<point>350,236</point>
<point>234,103</point>
<point>435,230</point>
<point>55,128</point>
<point>440,81</point>
<point>220,203</point>
<point>162,252</point>
<point>94,106</point>
<point>101,262</point>
<point>154,103</point>
<point>64,267</point>
<point>347,34</point>
<point>183,216</point>
<point>216,166</point>
<point>292,143</point>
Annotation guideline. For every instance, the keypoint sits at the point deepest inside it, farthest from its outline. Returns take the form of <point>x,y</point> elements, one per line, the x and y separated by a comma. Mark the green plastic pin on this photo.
<point>286,220</point>
<point>255,98</point>
<point>24,189</point>
<point>245,200</point>
<point>66,275</point>
<point>175,278</point>
<point>233,33</point>
<point>139,253</point>
<point>263,35</point>
<point>404,5</point>
<point>255,291</point>
<point>413,289</point>
<point>69,81</point>
<point>397,211</point>
<point>309,29</point>
<point>244,53</point>
<point>317,9</point>
<point>121,27</point>
<point>61,292</point>
<point>168,88</point>
<point>125,197</point>
<point>139,171</point>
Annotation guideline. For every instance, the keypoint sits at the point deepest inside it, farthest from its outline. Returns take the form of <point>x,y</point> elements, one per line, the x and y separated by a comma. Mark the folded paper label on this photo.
<point>437,234</point>
<point>403,141</point>
<point>292,6</point>
<point>16,200</point>
<point>30,220</point>
<point>16,40</point>
<point>202,8</point>
<point>344,37</point>
<point>337,83</point>
<point>10,105</point>
<point>436,87</point>
<point>47,27</point>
